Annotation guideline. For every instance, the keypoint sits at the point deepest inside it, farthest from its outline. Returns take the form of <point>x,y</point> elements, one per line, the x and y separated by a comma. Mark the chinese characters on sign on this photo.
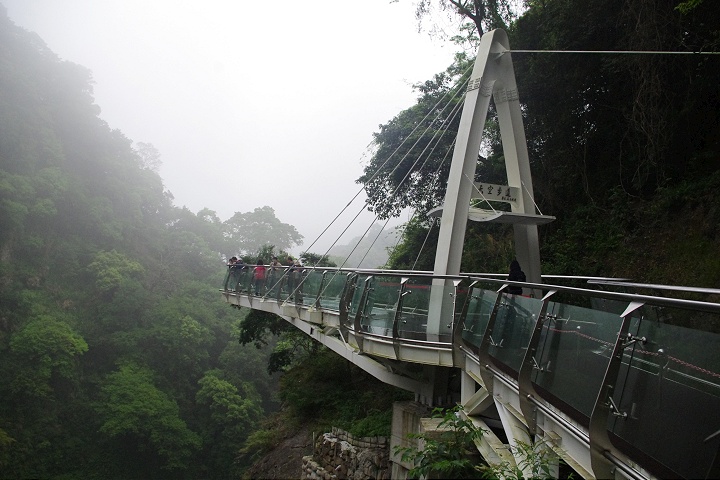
<point>496,193</point>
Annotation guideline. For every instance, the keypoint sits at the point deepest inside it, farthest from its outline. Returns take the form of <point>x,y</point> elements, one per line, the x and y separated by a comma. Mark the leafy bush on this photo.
<point>446,455</point>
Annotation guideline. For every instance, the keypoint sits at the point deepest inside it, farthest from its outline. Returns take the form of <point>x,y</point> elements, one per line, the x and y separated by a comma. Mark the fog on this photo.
<point>249,103</point>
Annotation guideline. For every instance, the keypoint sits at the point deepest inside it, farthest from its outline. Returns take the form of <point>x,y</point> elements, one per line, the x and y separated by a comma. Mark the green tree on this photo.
<point>410,165</point>
<point>143,419</point>
<point>289,345</point>
<point>149,156</point>
<point>249,232</point>
<point>46,352</point>
<point>449,453</point>
<point>229,414</point>
<point>316,260</point>
<point>484,15</point>
<point>99,269</point>
<point>112,269</point>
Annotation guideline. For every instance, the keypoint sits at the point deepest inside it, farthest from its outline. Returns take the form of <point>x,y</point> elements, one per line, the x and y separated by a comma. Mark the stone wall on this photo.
<point>338,455</point>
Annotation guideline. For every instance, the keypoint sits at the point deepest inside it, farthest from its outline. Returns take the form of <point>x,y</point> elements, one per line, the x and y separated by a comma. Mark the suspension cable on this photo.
<point>613,52</point>
<point>435,180</point>
<point>454,91</point>
<point>442,130</point>
<point>423,244</point>
<point>532,197</point>
<point>431,111</point>
<point>459,87</point>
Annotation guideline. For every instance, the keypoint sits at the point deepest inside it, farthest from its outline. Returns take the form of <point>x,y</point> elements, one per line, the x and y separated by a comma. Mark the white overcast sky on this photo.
<point>250,103</point>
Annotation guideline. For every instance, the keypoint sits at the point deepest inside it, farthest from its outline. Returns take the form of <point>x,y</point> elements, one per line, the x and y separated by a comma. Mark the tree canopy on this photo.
<point>117,359</point>
<point>251,231</point>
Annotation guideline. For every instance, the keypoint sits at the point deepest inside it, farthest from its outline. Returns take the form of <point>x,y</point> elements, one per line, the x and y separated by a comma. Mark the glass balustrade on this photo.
<point>572,355</point>
<point>514,323</point>
<point>274,282</point>
<point>309,282</point>
<point>244,281</point>
<point>333,285</point>
<point>362,282</point>
<point>229,282</point>
<point>236,279</point>
<point>668,392</point>
<point>480,308</point>
<point>413,317</point>
<point>380,307</point>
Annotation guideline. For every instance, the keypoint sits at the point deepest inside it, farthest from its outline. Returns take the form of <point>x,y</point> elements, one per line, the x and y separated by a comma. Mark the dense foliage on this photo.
<point>117,359</point>
<point>624,148</point>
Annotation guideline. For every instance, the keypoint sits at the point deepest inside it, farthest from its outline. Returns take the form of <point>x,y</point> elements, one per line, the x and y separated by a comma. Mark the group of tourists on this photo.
<point>264,276</point>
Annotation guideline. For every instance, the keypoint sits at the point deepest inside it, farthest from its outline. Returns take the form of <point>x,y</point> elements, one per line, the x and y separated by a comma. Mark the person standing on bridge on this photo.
<point>274,267</point>
<point>516,275</point>
<point>231,281</point>
<point>259,276</point>
<point>275,264</point>
<point>290,273</point>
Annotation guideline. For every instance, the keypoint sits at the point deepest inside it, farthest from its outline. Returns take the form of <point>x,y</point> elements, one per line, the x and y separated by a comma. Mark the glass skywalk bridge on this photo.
<point>619,380</point>
<point>604,377</point>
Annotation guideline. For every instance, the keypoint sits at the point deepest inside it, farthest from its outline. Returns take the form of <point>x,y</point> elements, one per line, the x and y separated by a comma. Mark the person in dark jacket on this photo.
<point>516,275</point>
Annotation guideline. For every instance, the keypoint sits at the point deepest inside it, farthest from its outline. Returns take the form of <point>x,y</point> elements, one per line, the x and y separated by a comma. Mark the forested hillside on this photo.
<point>117,359</point>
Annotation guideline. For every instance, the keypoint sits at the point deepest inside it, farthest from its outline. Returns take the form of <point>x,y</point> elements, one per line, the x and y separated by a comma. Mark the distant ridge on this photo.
<point>375,256</point>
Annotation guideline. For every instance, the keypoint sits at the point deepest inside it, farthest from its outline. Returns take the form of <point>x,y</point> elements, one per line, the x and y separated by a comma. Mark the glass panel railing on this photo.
<point>244,280</point>
<point>380,309</point>
<point>514,324</point>
<point>258,280</point>
<point>412,322</point>
<point>229,282</point>
<point>332,289</point>
<point>357,296</point>
<point>274,282</point>
<point>311,281</point>
<point>295,285</point>
<point>573,354</point>
<point>478,315</point>
<point>668,393</point>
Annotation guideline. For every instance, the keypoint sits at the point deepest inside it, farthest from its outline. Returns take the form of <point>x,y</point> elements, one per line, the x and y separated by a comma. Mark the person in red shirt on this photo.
<point>259,276</point>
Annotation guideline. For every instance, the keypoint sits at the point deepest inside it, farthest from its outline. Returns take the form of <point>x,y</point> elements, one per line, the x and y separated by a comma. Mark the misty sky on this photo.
<point>249,103</point>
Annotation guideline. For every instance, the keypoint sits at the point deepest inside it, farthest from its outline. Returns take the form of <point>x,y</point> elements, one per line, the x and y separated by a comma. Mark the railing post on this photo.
<point>357,324</point>
<point>459,318</point>
<point>526,391</point>
<point>484,350</point>
<point>456,283</point>
<point>345,299</point>
<point>600,444</point>
<point>320,289</point>
<point>459,326</point>
<point>398,315</point>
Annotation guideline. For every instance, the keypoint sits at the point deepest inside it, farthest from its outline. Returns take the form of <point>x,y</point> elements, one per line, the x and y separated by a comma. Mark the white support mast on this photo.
<point>493,76</point>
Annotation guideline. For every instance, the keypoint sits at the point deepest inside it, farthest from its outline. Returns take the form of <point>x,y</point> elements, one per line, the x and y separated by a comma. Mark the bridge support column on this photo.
<point>517,435</point>
<point>439,381</point>
<point>405,421</point>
